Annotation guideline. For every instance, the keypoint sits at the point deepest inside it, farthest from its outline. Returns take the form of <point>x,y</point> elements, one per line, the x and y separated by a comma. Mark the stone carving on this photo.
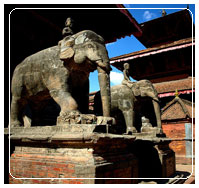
<point>126,73</point>
<point>143,88</point>
<point>73,117</point>
<point>101,120</point>
<point>61,72</point>
<point>68,29</point>
<point>146,122</point>
<point>127,98</point>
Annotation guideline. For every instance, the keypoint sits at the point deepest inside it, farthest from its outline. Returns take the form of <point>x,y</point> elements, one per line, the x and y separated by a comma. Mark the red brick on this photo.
<point>34,174</point>
<point>73,181</point>
<point>51,175</point>
<point>56,169</point>
<point>36,181</point>
<point>60,165</point>
<point>12,160</point>
<point>42,174</point>
<point>68,171</point>
<point>17,181</point>
<point>64,181</point>
<point>15,176</point>
<point>27,164</point>
<point>70,166</point>
<point>44,181</point>
<point>27,173</point>
<point>78,182</point>
<point>13,155</point>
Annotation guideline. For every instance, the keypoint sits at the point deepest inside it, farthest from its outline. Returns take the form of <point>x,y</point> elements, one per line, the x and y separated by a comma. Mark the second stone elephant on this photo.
<point>133,103</point>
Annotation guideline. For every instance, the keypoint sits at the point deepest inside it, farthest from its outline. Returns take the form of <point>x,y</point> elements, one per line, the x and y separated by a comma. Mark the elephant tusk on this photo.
<point>105,66</point>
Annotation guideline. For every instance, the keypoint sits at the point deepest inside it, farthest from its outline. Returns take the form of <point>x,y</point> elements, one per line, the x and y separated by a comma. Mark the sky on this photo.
<point>142,13</point>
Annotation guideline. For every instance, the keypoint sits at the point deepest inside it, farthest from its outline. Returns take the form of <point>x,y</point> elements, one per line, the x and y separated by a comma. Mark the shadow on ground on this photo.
<point>178,178</point>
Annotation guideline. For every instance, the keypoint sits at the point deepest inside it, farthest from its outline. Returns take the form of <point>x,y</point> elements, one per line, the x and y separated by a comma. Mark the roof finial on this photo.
<point>177,93</point>
<point>163,13</point>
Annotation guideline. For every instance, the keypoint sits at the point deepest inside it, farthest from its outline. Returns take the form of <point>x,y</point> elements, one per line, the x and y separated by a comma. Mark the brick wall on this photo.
<point>41,164</point>
<point>177,133</point>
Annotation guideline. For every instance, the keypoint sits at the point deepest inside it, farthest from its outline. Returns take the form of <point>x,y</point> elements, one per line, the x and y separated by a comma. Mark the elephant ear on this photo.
<point>66,48</point>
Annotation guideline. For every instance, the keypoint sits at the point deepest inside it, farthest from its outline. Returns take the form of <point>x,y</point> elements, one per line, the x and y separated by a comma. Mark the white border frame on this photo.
<point>101,8</point>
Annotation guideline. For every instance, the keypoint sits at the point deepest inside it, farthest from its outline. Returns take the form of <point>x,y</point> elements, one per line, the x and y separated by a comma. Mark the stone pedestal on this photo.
<point>59,154</point>
<point>167,158</point>
<point>155,158</point>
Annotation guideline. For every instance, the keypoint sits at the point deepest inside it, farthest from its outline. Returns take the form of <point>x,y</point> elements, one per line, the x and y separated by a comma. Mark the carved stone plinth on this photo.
<point>167,158</point>
<point>75,117</point>
<point>155,158</point>
<point>52,154</point>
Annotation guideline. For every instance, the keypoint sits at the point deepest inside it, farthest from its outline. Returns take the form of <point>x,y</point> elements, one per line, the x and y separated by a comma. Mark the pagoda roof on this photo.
<point>183,43</point>
<point>171,86</point>
<point>166,29</point>
<point>160,63</point>
<point>178,109</point>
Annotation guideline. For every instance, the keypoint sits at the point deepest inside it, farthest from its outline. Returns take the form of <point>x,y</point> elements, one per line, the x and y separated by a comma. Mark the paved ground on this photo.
<point>182,171</point>
<point>188,171</point>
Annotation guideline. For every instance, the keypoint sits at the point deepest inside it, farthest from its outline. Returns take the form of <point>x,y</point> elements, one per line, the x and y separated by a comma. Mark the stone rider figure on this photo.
<point>68,29</point>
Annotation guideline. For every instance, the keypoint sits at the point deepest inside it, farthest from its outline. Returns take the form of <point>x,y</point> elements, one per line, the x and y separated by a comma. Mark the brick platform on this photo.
<point>55,152</point>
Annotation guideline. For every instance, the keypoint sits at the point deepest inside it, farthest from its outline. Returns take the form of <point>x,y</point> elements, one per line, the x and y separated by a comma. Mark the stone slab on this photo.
<point>80,133</point>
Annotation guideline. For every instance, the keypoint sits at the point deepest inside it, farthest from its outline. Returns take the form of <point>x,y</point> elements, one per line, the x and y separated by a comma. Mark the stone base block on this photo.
<point>152,131</point>
<point>167,159</point>
<point>54,155</point>
<point>155,158</point>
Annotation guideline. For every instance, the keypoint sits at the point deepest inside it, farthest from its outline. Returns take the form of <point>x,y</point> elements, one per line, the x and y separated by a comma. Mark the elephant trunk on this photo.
<point>157,113</point>
<point>104,82</point>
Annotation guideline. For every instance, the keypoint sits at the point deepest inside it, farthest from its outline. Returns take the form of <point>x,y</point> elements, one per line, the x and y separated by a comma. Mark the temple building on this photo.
<point>168,62</point>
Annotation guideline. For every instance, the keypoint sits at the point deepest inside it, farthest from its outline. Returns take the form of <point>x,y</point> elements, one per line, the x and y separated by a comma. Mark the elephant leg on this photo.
<point>82,98</point>
<point>27,116</point>
<point>157,113</point>
<point>15,112</point>
<point>129,120</point>
<point>64,100</point>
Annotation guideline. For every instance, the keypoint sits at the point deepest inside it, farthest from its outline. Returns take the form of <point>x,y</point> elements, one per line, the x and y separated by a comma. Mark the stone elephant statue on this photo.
<point>128,101</point>
<point>62,73</point>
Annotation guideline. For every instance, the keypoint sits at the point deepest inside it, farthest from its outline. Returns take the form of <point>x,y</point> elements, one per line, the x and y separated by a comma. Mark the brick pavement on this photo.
<point>190,170</point>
